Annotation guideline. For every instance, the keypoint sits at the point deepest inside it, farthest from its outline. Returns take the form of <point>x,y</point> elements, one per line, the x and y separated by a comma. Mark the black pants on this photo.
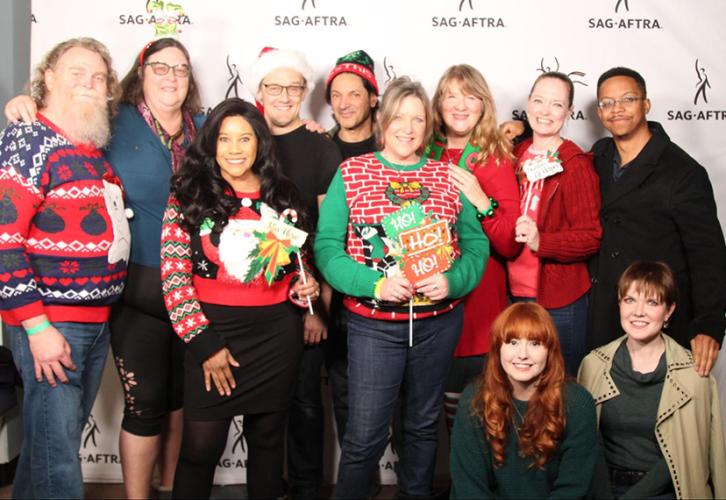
<point>305,430</point>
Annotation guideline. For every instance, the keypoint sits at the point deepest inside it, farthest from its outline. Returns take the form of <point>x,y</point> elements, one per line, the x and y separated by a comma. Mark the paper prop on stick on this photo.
<point>278,239</point>
<point>539,168</point>
<point>426,242</point>
<point>542,166</point>
<point>428,251</point>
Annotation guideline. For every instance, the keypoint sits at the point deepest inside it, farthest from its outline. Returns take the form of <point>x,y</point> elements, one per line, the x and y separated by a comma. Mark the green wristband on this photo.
<point>37,328</point>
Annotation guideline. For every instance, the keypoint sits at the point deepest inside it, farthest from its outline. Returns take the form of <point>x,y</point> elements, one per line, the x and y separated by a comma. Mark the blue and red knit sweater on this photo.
<point>55,230</point>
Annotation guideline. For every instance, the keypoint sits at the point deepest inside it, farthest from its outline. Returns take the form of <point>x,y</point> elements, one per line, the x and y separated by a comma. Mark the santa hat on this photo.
<point>271,58</point>
<point>358,63</point>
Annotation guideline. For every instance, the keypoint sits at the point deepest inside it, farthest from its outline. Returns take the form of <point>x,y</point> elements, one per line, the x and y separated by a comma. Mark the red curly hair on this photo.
<point>544,422</point>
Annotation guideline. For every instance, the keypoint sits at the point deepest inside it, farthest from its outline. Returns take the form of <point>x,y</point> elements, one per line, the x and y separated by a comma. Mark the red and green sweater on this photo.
<point>350,247</point>
<point>496,177</point>
<point>212,268</point>
<point>56,234</point>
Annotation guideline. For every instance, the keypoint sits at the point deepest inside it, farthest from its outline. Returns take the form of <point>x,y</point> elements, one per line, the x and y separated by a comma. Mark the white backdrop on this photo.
<point>678,46</point>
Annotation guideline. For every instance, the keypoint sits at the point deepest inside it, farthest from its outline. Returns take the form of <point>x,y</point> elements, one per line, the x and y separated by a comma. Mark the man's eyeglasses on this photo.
<point>161,69</point>
<point>292,90</point>
<point>607,104</point>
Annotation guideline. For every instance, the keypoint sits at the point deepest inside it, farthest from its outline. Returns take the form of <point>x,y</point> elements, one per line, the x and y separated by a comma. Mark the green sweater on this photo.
<point>627,425</point>
<point>358,280</point>
<point>567,475</point>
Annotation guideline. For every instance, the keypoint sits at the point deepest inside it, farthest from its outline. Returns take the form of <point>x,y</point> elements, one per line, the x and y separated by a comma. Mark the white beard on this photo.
<point>88,123</point>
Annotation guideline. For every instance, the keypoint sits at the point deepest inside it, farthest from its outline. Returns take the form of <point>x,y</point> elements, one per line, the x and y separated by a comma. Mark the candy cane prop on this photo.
<point>291,215</point>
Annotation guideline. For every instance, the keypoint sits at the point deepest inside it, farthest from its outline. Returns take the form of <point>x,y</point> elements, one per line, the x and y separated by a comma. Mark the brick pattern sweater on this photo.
<point>569,226</point>
<point>365,190</point>
<point>56,233</point>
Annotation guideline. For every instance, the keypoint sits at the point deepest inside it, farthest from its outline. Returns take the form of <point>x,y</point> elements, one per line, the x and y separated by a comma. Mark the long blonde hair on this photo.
<point>486,135</point>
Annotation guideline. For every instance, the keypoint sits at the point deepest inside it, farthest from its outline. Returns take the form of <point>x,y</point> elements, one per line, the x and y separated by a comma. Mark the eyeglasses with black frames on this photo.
<point>292,90</point>
<point>161,69</point>
<point>626,101</point>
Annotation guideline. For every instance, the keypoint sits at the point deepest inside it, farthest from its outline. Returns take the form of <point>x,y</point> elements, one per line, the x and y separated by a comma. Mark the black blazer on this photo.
<point>661,208</point>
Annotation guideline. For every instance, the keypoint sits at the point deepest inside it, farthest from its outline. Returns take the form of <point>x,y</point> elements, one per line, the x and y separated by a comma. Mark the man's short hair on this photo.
<point>623,71</point>
<point>38,89</point>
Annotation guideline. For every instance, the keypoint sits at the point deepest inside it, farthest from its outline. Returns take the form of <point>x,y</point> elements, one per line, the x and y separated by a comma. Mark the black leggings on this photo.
<point>149,356</point>
<point>203,443</point>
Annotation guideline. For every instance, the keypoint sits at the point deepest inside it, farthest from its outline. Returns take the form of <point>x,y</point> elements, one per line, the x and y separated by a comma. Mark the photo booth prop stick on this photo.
<point>305,281</point>
<point>278,239</point>
<point>425,243</point>
<point>426,250</point>
<point>539,168</point>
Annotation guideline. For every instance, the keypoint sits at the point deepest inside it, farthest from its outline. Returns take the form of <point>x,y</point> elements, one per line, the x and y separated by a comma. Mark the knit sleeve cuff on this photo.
<point>205,344</point>
<point>28,311</point>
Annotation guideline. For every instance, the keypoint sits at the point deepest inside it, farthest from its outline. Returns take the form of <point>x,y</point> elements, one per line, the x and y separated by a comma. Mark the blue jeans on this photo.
<point>53,418</point>
<point>571,324</point>
<point>381,366</point>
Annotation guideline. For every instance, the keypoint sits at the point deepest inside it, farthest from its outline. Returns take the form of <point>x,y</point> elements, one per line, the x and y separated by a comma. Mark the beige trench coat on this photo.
<point>688,426</point>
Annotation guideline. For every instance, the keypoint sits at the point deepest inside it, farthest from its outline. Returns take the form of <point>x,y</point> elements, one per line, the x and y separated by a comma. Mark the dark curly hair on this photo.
<point>200,188</point>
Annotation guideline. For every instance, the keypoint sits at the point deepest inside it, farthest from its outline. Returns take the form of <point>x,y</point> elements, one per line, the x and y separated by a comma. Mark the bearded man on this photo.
<point>64,245</point>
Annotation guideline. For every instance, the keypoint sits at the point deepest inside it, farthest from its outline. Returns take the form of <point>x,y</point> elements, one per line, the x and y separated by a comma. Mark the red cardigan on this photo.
<point>489,298</point>
<point>569,226</point>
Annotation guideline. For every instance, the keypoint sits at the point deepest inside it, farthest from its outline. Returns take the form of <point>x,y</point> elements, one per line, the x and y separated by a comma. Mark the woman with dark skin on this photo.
<point>232,279</point>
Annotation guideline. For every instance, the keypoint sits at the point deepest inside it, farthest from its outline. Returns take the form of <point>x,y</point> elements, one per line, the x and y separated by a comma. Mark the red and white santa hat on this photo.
<point>271,58</point>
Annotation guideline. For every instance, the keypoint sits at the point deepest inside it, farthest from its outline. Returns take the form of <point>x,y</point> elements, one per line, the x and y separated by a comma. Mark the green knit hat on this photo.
<point>358,63</point>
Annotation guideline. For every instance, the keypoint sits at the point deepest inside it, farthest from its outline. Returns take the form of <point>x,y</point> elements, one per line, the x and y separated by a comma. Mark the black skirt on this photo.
<point>267,342</point>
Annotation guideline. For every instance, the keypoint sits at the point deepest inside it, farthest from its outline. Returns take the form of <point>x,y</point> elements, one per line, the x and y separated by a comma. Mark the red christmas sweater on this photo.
<point>489,298</point>
<point>63,247</point>
<point>219,268</point>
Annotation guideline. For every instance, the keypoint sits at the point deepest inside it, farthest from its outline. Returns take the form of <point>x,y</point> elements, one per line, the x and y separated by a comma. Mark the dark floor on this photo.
<point>113,491</point>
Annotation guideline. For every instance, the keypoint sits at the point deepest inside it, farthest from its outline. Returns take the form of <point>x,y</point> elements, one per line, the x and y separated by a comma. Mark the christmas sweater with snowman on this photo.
<point>244,265</point>
<point>64,240</point>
